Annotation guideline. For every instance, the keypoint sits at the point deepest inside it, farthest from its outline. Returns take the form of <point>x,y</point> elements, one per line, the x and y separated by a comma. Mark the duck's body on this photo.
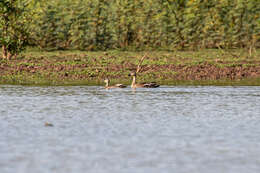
<point>113,86</point>
<point>142,85</point>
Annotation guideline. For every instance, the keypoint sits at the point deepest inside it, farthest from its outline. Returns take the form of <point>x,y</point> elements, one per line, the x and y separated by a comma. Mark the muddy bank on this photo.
<point>86,68</point>
<point>207,71</point>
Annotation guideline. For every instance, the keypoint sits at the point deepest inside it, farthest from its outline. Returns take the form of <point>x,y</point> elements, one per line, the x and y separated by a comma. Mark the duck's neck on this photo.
<point>133,82</point>
<point>106,84</point>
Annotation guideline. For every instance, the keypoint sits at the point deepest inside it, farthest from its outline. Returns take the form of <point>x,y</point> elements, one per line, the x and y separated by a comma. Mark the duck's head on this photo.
<point>106,80</point>
<point>132,74</point>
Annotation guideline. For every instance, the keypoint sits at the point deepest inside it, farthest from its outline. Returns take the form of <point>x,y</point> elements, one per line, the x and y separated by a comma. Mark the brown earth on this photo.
<point>182,72</point>
<point>61,71</point>
<point>207,71</point>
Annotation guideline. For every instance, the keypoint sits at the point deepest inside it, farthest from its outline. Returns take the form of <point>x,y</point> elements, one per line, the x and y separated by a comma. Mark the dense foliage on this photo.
<point>14,17</point>
<point>145,24</point>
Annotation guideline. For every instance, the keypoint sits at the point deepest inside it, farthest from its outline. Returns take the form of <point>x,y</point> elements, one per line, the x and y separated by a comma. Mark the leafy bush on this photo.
<point>13,27</point>
<point>141,24</point>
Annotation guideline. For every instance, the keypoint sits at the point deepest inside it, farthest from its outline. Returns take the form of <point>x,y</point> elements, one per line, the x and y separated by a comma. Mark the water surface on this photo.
<point>167,129</point>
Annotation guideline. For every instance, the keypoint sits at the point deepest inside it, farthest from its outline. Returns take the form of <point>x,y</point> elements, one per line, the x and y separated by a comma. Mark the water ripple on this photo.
<point>183,129</point>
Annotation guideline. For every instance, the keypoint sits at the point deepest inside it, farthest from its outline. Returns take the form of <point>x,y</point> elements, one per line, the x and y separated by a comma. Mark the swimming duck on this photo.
<point>114,86</point>
<point>142,85</point>
<point>47,124</point>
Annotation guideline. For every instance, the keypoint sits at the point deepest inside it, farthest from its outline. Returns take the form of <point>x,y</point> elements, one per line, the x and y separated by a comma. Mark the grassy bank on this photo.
<point>206,67</point>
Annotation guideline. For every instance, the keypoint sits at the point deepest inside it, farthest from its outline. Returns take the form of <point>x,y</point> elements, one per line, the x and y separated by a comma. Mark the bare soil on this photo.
<point>83,68</point>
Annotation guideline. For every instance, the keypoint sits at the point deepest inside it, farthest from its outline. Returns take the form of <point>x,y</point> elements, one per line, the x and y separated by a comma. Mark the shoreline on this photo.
<point>72,68</point>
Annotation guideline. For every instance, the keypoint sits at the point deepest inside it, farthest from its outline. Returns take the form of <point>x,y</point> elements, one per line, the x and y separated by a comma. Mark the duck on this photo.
<point>113,86</point>
<point>141,85</point>
<point>47,124</point>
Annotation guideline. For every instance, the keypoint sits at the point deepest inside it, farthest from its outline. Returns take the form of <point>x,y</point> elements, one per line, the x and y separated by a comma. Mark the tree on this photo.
<point>13,28</point>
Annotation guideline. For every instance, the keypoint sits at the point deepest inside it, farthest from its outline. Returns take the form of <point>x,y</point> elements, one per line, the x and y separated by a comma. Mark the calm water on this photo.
<point>168,129</point>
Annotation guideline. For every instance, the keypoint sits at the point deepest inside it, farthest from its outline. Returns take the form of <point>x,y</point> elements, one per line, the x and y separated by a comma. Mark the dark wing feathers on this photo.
<point>151,85</point>
<point>120,85</point>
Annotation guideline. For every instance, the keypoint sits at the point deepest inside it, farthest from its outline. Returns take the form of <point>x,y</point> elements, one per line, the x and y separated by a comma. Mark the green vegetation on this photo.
<point>14,15</point>
<point>206,67</point>
<point>147,24</point>
<point>135,24</point>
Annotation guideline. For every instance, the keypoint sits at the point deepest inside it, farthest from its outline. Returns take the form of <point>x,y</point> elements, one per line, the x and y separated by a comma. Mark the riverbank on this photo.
<point>207,67</point>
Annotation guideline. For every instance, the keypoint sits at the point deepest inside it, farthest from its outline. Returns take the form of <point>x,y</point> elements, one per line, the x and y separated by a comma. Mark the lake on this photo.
<point>168,129</point>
